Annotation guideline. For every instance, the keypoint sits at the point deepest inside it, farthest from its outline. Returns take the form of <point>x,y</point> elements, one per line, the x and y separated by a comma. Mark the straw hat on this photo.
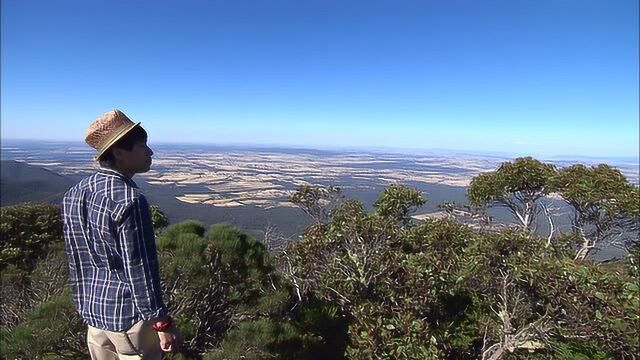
<point>107,129</point>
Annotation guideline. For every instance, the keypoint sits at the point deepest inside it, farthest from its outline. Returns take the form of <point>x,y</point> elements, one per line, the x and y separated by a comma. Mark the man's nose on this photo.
<point>150,151</point>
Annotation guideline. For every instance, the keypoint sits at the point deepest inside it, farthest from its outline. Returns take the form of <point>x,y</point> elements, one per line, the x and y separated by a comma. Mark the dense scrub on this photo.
<point>358,284</point>
<point>441,290</point>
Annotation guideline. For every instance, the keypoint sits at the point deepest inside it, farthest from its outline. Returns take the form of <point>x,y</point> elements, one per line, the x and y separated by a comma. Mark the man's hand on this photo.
<point>170,339</point>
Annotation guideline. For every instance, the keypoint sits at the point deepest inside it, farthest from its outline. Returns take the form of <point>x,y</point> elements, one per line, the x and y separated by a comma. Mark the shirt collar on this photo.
<point>111,172</point>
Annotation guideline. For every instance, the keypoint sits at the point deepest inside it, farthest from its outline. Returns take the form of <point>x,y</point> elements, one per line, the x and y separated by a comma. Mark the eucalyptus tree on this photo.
<point>398,201</point>
<point>518,186</point>
<point>607,206</point>
<point>316,201</point>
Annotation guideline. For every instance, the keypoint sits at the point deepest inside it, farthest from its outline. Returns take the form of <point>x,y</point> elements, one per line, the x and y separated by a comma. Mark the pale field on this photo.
<point>266,179</point>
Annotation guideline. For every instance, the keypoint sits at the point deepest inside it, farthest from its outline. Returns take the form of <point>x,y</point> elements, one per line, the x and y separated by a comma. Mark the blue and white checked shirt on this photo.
<point>111,250</point>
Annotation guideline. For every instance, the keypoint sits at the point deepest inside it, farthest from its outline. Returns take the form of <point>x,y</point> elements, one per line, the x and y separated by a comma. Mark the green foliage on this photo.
<point>324,328</point>
<point>260,339</point>
<point>27,231</point>
<point>269,326</point>
<point>185,227</point>
<point>338,249</point>
<point>568,298</point>
<point>360,264</point>
<point>570,350</point>
<point>517,185</point>
<point>192,282</point>
<point>158,217</point>
<point>366,285</point>
<point>441,290</point>
<point>632,261</point>
<point>249,260</point>
<point>579,351</point>
<point>21,291</point>
<point>34,274</point>
<point>225,293</point>
<point>598,193</point>
<point>398,201</point>
<point>51,329</point>
<point>605,203</point>
<point>601,186</point>
<point>187,261</point>
<point>316,201</point>
<point>526,177</point>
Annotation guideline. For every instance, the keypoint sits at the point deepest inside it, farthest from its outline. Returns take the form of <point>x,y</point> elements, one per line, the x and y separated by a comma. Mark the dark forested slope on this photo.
<point>22,183</point>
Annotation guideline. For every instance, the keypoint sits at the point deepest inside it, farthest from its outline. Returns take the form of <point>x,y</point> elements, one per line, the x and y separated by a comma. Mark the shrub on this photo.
<point>27,231</point>
<point>52,329</point>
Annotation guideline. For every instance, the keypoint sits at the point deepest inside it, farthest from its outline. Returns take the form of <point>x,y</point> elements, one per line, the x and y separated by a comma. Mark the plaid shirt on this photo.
<point>111,251</point>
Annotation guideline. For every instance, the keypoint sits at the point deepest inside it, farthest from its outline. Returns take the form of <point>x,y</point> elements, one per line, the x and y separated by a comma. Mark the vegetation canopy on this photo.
<point>367,284</point>
<point>519,186</point>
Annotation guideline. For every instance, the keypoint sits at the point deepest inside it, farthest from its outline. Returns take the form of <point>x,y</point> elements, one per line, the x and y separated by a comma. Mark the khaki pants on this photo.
<point>139,342</point>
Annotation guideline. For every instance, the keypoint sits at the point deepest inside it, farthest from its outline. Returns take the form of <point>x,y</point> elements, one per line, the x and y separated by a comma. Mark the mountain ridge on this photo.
<point>22,183</point>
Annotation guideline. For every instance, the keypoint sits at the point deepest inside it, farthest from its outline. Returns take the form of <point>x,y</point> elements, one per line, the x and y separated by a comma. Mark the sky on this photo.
<point>537,77</point>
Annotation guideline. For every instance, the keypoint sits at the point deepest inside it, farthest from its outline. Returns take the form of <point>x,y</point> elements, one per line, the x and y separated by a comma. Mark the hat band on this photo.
<point>114,136</point>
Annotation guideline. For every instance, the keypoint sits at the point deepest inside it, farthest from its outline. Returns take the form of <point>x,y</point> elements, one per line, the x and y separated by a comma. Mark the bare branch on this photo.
<point>529,336</point>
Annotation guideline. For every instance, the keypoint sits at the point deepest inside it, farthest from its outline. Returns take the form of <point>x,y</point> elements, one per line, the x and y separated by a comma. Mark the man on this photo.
<point>110,246</point>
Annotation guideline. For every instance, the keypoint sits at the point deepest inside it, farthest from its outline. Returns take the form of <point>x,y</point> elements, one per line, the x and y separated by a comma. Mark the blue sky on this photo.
<point>536,77</point>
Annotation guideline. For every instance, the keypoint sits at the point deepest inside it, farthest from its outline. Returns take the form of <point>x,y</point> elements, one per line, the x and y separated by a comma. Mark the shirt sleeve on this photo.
<point>72,253</point>
<point>140,259</point>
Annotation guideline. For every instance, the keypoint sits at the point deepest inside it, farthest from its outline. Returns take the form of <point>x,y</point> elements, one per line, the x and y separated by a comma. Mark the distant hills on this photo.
<point>20,183</point>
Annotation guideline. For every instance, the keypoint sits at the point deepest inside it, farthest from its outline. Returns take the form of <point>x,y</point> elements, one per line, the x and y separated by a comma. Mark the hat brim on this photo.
<point>114,138</point>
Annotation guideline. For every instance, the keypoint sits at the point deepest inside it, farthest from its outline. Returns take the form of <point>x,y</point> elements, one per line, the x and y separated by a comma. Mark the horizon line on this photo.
<point>357,148</point>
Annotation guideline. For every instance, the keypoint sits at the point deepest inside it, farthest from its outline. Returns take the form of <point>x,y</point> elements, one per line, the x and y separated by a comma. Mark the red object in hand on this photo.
<point>162,325</point>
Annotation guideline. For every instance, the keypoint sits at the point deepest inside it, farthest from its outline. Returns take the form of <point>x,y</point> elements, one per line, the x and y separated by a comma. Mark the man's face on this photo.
<point>135,161</point>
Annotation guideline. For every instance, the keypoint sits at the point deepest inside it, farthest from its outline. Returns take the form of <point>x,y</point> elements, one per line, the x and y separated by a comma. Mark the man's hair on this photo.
<point>127,142</point>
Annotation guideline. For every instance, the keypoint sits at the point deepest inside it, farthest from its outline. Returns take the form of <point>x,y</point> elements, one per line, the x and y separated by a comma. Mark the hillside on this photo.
<point>20,183</point>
